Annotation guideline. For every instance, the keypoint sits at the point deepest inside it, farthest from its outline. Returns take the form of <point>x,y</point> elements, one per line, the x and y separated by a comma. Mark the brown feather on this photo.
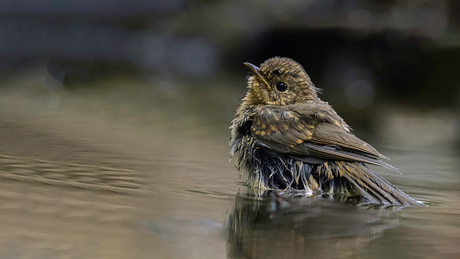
<point>288,138</point>
<point>327,134</point>
<point>316,137</point>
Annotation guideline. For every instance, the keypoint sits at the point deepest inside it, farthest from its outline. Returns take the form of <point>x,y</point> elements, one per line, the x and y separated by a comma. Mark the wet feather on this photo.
<point>290,139</point>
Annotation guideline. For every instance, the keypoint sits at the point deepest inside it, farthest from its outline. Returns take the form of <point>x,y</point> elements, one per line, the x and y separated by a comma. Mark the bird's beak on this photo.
<point>258,73</point>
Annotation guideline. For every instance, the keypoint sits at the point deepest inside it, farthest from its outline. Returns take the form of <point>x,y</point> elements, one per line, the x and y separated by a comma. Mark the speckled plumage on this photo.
<point>287,138</point>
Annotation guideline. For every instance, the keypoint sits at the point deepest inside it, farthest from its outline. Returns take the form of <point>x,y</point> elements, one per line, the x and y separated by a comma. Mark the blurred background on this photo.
<point>114,119</point>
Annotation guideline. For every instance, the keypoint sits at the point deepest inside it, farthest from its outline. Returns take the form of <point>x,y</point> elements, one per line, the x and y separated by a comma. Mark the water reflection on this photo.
<point>273,226</point>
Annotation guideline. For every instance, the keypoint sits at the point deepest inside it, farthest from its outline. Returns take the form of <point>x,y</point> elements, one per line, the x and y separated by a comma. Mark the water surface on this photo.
<point>141,171</point>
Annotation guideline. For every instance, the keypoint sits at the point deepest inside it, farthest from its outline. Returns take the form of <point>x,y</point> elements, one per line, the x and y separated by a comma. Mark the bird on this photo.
<point>284,137</point>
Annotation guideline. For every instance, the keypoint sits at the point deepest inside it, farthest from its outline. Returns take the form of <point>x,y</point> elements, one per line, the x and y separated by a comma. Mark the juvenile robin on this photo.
<point>285,137</point>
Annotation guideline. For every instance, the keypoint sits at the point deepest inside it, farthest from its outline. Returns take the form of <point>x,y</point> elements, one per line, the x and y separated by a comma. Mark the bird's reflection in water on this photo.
<point>273,225</point>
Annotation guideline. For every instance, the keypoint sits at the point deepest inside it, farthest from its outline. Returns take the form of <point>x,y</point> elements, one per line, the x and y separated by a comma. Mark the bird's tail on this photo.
<point>351,178</point>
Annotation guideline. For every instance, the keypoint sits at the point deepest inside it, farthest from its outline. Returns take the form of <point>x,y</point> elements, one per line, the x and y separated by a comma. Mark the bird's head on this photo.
<point>279,81</point>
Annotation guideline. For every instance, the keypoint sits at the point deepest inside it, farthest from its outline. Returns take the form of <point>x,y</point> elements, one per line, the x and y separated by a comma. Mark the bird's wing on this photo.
<point>305,137</point>
<point>327,134</point>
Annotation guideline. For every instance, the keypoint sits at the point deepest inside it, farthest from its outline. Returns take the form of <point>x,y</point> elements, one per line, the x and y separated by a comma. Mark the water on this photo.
<point>135,171</point>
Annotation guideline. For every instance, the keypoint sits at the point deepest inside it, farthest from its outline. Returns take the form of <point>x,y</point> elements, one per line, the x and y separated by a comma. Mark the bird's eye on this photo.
<point>281,87</point>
